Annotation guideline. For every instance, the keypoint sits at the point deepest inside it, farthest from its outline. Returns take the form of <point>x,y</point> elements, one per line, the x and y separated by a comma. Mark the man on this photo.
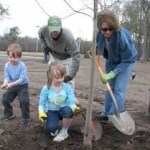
<point>61,44</point>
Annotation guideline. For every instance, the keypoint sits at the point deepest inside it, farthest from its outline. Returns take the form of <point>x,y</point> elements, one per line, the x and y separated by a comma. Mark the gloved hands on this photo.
<point>75,108</point>
<point>47,50</point>
<point>42,116</point>
<point>107,77</point>
<point>67,78</point>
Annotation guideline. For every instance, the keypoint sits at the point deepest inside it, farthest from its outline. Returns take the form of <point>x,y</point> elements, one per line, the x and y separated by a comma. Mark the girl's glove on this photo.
<point>42,116</point>
<point>75,108</point>
<point>107,77</point>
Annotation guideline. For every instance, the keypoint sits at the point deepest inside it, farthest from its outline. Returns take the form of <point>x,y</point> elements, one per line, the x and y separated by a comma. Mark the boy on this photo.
<point>16,84</point>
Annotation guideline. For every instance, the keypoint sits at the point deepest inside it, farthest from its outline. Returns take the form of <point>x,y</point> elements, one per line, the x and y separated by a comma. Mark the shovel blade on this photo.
<point>96,129</point>
<point>124,123</point>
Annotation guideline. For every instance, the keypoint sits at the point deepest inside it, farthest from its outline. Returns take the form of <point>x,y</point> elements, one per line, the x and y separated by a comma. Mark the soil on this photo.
<point>15,136</point>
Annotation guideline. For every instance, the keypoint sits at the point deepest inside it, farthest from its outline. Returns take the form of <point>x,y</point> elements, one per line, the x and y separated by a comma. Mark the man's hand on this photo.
<point>42,116</point>
<point>47,50</point>
<point>67,78</point>
<point>107,77</point>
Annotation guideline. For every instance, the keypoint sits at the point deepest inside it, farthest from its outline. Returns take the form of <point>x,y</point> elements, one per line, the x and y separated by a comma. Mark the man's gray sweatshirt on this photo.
<point>62,48</point>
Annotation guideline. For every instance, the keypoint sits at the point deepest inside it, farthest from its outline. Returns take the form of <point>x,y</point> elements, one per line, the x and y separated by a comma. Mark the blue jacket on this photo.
<point>121,49</point>
<point>17,73</point>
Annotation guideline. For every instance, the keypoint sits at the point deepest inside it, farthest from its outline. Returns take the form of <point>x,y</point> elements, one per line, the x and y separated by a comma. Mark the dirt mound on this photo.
<point>15,136</point>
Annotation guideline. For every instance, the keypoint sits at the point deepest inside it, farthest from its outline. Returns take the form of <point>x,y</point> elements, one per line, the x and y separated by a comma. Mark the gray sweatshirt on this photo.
<point>62,48</point>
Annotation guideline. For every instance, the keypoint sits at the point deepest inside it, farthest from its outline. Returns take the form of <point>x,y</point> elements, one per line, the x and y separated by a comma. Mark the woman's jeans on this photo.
<point>53,118</point>
<point>119,86</point>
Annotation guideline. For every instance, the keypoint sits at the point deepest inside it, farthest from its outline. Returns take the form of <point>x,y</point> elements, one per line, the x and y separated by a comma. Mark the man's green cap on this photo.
<point>54,24</point>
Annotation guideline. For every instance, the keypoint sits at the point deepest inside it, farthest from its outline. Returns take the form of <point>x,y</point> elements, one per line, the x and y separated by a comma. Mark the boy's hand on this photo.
<point>42,116</point>
<point>3,86</point>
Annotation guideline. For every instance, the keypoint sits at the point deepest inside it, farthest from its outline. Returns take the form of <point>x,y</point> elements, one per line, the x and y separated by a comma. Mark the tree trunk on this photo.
<point>145,52</point>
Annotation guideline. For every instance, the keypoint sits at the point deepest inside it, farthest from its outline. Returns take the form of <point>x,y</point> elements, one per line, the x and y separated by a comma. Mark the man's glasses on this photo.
<point>106,29</point>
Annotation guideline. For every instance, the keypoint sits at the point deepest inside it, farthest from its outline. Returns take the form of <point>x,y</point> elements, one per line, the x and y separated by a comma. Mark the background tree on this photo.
<point>13,34</point>
<point>3,12</point>
<point>133,15</point>
<point>146,24</point>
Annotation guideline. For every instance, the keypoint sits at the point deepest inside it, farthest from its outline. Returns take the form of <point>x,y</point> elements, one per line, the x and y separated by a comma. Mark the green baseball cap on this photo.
<point>54,24</point>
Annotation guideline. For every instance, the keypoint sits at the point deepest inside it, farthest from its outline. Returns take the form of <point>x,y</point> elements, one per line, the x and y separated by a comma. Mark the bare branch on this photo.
<point>42,8</point>
<point>84,4</point>
<point>76,11</point>
<point>117,1</point>
<point>105,4</point>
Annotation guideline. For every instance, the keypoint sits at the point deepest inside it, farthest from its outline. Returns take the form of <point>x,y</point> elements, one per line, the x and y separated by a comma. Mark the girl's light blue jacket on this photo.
<point>54,100</point>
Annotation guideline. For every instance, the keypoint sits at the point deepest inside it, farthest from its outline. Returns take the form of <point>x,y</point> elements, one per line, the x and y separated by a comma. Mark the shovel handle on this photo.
<point>99,66</point>
<point>97,62</point>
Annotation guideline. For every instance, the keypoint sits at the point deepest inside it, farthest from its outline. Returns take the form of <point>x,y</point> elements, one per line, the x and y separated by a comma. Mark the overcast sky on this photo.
<point>28,16</point>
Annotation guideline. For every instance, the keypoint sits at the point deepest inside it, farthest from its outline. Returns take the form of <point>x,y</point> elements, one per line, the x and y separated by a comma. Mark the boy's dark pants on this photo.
<point>23,96</point>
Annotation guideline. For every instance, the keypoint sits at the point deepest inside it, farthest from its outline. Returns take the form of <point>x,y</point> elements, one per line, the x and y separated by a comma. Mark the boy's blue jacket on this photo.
<point>121,49</point>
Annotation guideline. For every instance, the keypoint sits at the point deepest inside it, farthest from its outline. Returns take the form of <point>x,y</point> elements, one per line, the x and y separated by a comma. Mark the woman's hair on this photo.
<point>15,49</point>
<point>56,68</point>
<point>110,18</point>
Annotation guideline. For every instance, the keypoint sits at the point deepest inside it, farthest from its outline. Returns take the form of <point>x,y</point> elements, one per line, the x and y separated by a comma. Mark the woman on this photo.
<point>117,47</point>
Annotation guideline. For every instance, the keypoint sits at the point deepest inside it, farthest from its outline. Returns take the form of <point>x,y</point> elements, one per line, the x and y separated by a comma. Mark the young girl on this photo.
<point>57,102</point>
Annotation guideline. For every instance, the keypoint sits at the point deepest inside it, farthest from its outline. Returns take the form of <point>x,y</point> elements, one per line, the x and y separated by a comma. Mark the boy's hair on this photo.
<point>110,18</point>
<point>15,49</point>
<point>55,68</point>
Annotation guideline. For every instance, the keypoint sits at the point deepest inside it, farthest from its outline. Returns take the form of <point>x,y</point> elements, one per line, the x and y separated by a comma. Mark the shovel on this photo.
<point>95,126</point>
<point>122,121</point>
